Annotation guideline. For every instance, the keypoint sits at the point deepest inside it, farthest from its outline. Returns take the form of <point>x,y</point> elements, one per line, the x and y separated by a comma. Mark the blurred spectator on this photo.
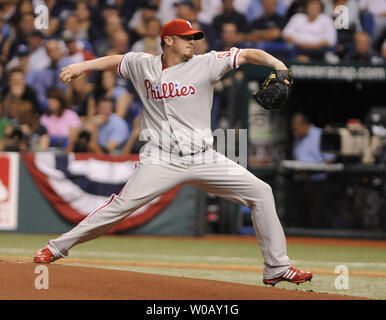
<point>187,9</point>
<point>80,96</point>
<point>111,52</point>
<point>137,26</point>
<point>49,77</point>
<point>79,25</point>
<point>35,135</point>
<point>345,36</point>
<point>59,119</point>
<point>151,42</point>
<point>5,35</point>
<point>24,6</point>
<point>362,52</point>
<point>108,8</point>
<point>200,46</point>
<point>71,25</point>
<point>82,14</point>
<point>2,80</point>
<point>9,10</point>
<point>297,6</point>
<point>18,90</point>
<point>23,29</point>
<point>377,8</point>
<point>32,57</point>
<point>113,24</point>
<point>14,140</point>
<point>242,6</point>
<point>384,50</point>
<point>228,38</point>
<point>84,139</point>
<point>21,61</point>
<point>221,100</point>
<point>221,109</point>
<point>308,195</point>
<point>102,11</point>
<point>208,9</point>
<point>229,14</point>
<point>113,130</point>
<point>133,144</point>
<point>269,26</point>
<point>22,132</point>
<point>38,58</point>
<point>307,136</point>
<point>166,10</point>
<point>313,33</point>
<point>107,88</point>
<point>255,9</point>
<point>125,8</point>
<point>4,121</point>
<point>75,50</point>
<point>121,42</point>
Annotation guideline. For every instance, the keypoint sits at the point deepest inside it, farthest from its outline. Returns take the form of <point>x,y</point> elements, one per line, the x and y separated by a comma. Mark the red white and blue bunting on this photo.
<point>79,183</point>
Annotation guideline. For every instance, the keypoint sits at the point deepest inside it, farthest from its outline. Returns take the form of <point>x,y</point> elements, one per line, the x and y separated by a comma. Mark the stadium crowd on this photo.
<point>100,112</point>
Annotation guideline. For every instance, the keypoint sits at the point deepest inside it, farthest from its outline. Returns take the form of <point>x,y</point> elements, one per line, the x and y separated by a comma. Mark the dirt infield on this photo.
<point>74,283</point>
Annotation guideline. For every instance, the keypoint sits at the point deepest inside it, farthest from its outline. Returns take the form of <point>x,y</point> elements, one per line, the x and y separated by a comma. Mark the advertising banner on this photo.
<point>9,190</point>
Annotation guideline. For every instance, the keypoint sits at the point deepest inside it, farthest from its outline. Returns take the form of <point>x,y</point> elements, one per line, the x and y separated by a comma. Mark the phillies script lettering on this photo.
<point>167,90</point>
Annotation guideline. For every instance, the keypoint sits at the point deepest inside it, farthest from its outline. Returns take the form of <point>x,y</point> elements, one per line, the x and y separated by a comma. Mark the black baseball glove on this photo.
<point>274,91</point>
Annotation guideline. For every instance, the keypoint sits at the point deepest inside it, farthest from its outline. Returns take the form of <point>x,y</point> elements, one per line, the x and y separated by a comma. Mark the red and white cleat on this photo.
<point>44,255</point>
<point>291,275</point>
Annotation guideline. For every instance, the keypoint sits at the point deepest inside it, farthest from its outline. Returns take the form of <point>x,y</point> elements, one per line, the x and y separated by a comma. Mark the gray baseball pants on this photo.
<point>210,171</point>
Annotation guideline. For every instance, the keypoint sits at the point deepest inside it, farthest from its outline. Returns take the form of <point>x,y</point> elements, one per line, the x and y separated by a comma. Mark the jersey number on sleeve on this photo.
<point>223,54</point>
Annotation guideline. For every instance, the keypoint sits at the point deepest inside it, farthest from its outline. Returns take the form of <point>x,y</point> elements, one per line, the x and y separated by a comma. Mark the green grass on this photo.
<point>199,251</point>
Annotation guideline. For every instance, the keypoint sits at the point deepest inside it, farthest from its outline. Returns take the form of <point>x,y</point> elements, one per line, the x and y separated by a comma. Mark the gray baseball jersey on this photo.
<point>181,96</point>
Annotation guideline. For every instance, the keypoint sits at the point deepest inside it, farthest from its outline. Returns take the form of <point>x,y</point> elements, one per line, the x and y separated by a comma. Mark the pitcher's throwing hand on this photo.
<point>70,72</point>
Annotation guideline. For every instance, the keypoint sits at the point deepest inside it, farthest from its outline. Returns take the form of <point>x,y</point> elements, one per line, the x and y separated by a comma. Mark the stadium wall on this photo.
<point>35,213</point>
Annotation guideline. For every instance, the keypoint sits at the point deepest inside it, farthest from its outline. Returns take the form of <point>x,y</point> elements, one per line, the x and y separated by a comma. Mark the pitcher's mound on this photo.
<point>18,280</point>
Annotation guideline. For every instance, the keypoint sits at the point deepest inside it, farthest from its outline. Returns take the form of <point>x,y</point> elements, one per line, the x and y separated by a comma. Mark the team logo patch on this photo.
<point>166,90</point>
<point>190,25</point>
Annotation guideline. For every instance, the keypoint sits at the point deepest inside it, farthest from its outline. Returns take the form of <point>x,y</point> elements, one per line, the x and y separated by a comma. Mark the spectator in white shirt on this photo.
<point>166,11</point>
<point>150,42</point>
<point>313,32</point>
<point>208,9</point>
<point>38,58</point>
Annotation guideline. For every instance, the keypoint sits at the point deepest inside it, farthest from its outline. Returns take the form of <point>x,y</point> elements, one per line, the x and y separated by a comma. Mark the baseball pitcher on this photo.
<point>176,89</point>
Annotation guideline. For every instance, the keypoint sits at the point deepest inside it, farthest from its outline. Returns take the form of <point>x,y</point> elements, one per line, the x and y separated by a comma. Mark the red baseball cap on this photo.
<point>180,27</point>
